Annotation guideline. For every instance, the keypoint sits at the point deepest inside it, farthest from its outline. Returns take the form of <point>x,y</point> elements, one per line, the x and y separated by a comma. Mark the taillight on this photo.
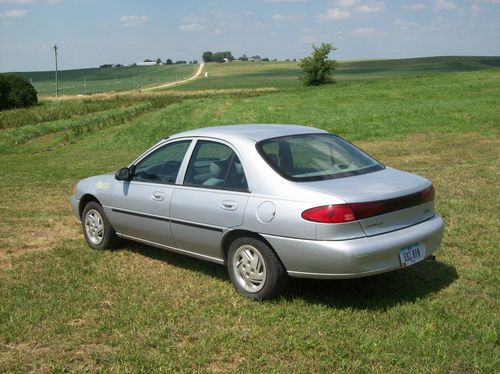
<point>354,211</point>
<point>365,210</point>
<point>427,195</point>
<point>330,214</point>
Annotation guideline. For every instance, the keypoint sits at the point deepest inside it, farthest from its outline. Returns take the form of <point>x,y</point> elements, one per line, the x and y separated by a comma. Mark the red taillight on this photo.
<point>427,195</point>
<point>365,210</point>
<point>330,214</point>
<point>354,211</point>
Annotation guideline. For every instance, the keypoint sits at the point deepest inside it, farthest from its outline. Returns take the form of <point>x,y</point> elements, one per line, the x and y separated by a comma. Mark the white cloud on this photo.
<point>287,1</point>
<point>130,21</point>
<point>334,14</point>
<point>403,25</point>
<point>192,23</point>
<point>414,7</point>
<point>13,13</point>
<point>259,25</point>
<point>363,32</point>
<point>284,17</point>
<point>346,3</point>
<point>370,8</point>
<point>445,5</point>
<point>17,1</point>
<point>487,1</point>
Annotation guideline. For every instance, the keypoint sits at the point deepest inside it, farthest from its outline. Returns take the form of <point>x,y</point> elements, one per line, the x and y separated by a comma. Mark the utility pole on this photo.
<point>57,83</point>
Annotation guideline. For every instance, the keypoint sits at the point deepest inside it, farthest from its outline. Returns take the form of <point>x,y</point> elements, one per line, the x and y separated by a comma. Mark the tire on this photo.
<point>255,270</point>
<point>98,232</point>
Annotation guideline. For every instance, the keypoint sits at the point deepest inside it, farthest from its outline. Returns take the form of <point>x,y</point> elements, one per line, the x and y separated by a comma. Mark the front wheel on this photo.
<point>98,232</point>
<point>255,270</point>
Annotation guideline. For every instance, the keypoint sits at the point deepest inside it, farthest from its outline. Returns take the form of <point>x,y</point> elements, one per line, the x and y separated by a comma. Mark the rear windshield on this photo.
<point>313,157</point>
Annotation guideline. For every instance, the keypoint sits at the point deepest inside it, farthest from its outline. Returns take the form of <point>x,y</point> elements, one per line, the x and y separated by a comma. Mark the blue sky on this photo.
<point>92,32</point>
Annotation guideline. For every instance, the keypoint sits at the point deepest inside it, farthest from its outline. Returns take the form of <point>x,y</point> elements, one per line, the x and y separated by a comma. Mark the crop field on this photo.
<point>87,81</point>
<point>237,75</point>
<point>64,307</point>
<point>286,74</point>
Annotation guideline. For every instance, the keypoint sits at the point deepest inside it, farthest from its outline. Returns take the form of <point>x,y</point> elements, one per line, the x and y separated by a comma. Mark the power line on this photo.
<point>57,83</point>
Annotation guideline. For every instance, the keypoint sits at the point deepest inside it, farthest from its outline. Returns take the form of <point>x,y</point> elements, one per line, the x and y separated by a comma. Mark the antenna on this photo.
<point>57,83</point>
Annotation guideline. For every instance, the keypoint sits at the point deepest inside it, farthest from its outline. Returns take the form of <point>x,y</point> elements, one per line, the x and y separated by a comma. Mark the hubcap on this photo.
<point>94,227</point>
<point>249,268</point>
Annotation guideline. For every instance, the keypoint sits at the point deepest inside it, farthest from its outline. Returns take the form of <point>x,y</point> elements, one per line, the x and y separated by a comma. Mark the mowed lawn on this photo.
<point>64,307</point>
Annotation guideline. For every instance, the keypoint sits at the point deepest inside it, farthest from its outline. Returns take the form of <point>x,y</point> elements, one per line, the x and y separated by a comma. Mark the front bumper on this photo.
<point>354,258</point>
<point>74,206</point>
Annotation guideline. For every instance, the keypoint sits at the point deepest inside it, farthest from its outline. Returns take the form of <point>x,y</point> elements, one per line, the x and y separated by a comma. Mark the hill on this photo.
<point>286,74</point>
<point>72,82</point>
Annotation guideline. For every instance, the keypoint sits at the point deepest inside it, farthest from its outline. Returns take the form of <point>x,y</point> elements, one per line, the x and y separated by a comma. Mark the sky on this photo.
<point>92,32</point>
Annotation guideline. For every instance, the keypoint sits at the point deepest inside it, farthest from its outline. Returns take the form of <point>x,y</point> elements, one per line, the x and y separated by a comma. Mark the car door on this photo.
<point>212,198</point>
<point>140,207</point>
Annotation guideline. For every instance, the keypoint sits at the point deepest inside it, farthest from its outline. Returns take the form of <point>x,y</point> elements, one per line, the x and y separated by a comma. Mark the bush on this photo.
<point>318,68</point>
<point>16,92</point>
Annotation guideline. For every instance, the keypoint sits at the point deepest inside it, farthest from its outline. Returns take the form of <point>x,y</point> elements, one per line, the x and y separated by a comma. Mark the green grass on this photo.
<point>286,74</point>
<point>65,307</point>
<point>71,82</point>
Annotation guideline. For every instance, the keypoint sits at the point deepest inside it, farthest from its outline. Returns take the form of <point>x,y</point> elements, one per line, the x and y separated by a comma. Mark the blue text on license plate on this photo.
<point>411,254</point>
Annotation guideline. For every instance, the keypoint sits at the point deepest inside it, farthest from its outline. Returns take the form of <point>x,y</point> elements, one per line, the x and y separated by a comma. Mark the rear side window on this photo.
<point>215,165</point>
<point>313,157</point>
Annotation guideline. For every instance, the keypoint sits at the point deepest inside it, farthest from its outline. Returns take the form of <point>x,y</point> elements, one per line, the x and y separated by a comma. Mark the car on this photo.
<point>269,202</point>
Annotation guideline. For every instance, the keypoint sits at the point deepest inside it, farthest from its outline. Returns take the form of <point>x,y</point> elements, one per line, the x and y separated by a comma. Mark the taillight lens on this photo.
<point>427,195</point>
<point>330,214</point>
<point>365,210</point>
<point>341,213</point>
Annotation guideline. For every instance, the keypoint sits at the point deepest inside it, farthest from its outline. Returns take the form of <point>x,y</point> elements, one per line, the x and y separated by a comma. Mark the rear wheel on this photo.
<point>255,270</point>
<point>97,230</point>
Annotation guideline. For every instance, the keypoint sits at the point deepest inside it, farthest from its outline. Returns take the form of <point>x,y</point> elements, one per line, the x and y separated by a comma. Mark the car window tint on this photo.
<point>162,165</point>
<point>311,157</point>
<point>215,165</point>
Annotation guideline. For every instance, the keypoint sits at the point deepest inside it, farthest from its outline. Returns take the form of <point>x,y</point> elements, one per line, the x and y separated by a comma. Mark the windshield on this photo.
<point>313,157</point>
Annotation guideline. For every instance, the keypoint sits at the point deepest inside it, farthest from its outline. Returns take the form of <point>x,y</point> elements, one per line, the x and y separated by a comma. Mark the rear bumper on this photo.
<point>357,257</point>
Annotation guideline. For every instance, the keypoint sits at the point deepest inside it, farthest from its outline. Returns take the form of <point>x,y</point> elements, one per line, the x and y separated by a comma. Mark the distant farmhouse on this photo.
<point>146,63</point>
<point>255,58</point>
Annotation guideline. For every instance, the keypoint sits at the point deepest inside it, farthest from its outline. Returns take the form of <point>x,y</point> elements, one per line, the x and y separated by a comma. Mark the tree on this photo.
<point>169,61</point>
<point>16,92</point>
<point>318,68</point>
<point>158,61</point>
<point>207,56</point>
<point>243,58</point>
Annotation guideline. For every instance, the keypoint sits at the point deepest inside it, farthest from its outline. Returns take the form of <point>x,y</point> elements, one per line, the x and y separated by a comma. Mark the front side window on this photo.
<point>313,157</point>
<point>215,165</point>
<point>162,165</point>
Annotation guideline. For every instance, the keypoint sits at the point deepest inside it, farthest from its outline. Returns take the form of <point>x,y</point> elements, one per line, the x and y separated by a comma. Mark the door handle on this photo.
<point>229,205</point>
<point>158,196</point>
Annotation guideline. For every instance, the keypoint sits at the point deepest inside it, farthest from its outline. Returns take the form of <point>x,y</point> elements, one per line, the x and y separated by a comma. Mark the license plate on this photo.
<point>412,254</point>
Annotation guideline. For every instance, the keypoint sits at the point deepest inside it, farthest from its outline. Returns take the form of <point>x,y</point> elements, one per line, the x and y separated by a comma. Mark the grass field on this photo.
<point>65,307</point>
<point>286,74</point>
<point>73,82</point>
<point>237,75</point>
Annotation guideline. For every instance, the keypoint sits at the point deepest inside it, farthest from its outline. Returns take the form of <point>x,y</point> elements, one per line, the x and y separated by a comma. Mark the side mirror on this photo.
<point>124,174</point>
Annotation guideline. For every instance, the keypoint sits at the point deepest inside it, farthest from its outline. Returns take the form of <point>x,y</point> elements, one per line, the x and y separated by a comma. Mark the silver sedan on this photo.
<point>268,201</point>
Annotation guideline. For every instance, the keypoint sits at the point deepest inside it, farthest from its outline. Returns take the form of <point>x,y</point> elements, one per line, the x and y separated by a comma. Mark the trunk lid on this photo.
<point>397,190</point>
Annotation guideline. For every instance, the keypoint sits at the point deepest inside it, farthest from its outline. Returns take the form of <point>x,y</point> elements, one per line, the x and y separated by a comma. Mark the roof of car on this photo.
<point>254,131</point>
